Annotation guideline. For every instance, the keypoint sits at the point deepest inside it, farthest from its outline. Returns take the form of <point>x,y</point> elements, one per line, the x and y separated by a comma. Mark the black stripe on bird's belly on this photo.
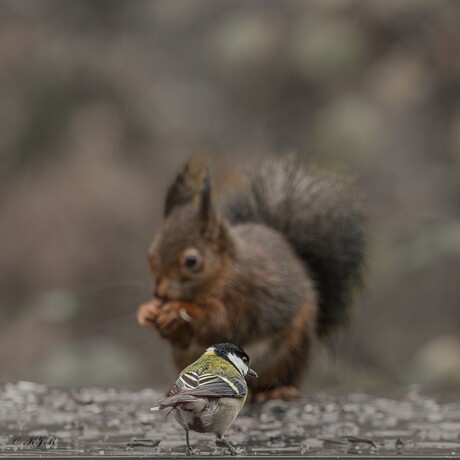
<point>197,425</point>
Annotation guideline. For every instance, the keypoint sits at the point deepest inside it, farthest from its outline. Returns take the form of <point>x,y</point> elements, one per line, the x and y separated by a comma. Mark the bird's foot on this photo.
<point>189,450</point>
<point>192,451</point>
<point>286,393</point>
<point>222,442</point>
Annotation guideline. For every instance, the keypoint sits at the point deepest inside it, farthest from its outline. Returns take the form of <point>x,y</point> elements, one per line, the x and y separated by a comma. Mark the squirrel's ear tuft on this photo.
<point>188,184</point>
<point>210,226</point>
<point>205,199</point>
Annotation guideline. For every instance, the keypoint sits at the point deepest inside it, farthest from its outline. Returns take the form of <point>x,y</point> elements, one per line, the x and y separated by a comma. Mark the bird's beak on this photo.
<point>252,373</point>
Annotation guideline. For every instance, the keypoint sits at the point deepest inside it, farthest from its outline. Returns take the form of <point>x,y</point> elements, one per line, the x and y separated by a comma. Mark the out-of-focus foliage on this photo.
<point>101,101</point>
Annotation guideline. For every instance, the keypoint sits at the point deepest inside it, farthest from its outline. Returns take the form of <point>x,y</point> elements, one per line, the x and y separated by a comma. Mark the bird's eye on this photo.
<point>191,259</point>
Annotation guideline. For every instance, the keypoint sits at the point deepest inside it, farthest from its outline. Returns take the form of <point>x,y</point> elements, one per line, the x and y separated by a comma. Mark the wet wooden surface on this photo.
<point>38,421</point>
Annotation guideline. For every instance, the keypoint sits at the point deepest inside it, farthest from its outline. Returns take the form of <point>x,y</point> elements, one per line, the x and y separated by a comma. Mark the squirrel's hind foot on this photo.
<point>286,393</point>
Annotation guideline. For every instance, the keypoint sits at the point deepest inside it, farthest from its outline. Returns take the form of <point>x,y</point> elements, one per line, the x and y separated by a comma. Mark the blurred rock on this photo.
<point>93,362</point>
<point>394,9</point>
<point>245,42</point>
<point>347,129</point>
<point>438,362</point>
<point>400,81</point>
<point>327,51</point>
<point>57,306</point>
<point>454,144</point>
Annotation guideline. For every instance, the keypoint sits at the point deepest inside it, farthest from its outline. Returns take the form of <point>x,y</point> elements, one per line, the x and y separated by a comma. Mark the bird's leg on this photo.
<point>227,443</point>
<point>189,450</point>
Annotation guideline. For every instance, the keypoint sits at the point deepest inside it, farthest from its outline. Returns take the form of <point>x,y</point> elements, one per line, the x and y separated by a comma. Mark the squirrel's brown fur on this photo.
<point>274,266</point>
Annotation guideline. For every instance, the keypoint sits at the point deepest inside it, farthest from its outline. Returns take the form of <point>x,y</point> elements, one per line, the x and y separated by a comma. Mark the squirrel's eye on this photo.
<point>191,259</point>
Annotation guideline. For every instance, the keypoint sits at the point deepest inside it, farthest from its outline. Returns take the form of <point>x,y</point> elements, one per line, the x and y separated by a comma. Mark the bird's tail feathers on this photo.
<point>174,401</point>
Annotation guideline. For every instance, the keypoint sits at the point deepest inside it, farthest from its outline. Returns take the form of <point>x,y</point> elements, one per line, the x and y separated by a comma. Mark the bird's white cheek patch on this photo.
<point>239,363</point>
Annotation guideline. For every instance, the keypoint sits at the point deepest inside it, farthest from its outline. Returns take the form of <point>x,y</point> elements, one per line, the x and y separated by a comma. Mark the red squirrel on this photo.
<point>271,267</point>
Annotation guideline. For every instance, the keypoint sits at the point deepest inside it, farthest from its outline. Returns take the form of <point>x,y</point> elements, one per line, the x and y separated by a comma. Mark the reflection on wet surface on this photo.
<point>39,421</point>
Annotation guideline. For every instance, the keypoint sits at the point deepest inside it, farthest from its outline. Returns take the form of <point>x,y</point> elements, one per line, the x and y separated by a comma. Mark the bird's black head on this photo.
<point>235,355</point>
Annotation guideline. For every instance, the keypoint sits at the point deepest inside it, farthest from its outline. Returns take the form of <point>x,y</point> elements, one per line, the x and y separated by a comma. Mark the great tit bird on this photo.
<point>209,394</point>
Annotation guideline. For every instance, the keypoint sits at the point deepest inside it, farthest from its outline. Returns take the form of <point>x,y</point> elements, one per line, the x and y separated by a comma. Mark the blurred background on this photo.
<point>102,101</point>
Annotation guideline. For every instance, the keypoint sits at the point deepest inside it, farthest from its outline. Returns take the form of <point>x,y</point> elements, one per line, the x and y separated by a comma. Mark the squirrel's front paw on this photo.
<point>170,319</point>
<point>147,313</point>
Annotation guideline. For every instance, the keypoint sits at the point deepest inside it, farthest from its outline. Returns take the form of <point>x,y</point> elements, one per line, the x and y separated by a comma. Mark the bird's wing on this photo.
<point>211,385</point>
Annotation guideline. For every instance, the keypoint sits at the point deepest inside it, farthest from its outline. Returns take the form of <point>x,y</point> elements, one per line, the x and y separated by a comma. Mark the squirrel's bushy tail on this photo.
<point>321,216</point>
